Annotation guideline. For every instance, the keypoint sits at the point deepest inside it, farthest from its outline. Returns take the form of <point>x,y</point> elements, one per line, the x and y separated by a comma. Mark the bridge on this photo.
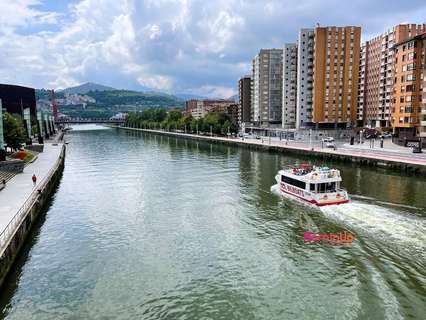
<point>89,120</point>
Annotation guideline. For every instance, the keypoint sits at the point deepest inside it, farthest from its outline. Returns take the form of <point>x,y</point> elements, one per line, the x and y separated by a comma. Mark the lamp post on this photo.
<point>40,127</point>
<point>2,151</point>
<point>243,129</point>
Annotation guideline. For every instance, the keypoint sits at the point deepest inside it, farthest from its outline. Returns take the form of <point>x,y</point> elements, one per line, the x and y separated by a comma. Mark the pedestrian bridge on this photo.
<point>89,120</point>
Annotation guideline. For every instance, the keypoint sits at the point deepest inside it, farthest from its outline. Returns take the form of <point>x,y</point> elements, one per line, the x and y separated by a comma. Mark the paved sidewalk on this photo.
<point>21,186</point>
<point>408,158</point>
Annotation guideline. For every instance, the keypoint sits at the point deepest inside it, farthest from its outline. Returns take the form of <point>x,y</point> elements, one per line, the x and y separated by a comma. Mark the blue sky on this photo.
<point>175,46</point>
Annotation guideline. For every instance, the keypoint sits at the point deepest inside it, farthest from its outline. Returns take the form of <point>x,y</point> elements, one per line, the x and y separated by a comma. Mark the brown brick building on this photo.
<point>336,72</point>
<point>409,102</point>
<point>376,74</point>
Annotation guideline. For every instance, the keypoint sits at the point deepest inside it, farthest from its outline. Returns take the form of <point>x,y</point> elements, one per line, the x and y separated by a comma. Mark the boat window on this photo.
<point>327,187</point>
<point>294,182</point>
<point>312,187</point>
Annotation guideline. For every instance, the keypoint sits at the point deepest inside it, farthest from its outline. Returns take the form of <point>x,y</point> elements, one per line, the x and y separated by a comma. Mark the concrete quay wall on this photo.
<point>15,235</point>
<point>375,161</point>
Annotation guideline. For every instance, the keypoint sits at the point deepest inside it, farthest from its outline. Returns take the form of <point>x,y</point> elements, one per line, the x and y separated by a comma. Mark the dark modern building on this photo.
<point>16,98</point>
<point>244,104</point>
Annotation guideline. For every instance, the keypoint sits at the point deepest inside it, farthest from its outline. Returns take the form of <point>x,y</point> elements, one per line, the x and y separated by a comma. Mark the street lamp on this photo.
<point>2,151</point>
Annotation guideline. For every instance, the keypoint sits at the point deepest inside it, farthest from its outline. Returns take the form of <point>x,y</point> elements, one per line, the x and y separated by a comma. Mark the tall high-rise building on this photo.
<point>336,69</point>
<point>378,73</point>
<point>244,103</point>
<point>289,85</point>
<point>305,71</point>
<point>409,101</point>
<point>361,86</point>
<point>267,87</point>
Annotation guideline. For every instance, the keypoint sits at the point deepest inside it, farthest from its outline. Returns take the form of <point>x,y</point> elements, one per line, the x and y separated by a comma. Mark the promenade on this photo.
<point>390,156</point>
<point>20,187</point>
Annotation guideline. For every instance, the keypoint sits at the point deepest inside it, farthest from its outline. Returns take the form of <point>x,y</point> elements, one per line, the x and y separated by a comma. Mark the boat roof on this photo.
<point>312,174</point>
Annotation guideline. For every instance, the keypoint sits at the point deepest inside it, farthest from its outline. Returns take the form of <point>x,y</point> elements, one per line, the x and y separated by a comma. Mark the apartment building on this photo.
<point>200,108</point>
<point>244,103</point>
<point>305,71</point>
<point>409,102</point>
<point>232,112</point>
<point>377,78</point>
<point>267,87</point>
<point>289,86</point>
<point>336,70</point>
<point>361,87</point>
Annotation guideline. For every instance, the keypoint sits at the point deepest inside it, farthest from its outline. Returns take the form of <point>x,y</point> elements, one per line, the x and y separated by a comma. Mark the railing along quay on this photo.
<point>9,231</point>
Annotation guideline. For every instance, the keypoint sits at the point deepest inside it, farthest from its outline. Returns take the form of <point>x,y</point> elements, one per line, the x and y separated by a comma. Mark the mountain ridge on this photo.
<point>87,87</point>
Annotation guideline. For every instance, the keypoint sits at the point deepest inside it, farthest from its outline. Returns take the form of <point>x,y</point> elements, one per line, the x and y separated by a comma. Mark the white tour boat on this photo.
<point>318,186</point>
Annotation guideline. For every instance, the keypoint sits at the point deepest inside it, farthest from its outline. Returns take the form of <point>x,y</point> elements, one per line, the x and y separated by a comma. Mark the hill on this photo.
<point>134,99</point>
<point>87,87</point>
<point>234,97</point>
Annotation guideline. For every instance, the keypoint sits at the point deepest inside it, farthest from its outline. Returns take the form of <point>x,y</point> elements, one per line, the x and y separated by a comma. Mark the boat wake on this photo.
<point>387,224</point>
<point>391,224</point>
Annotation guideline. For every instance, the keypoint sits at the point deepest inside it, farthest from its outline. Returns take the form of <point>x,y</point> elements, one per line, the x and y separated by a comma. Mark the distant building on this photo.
<point>217,105</point>
<point>200,108</point>
<point>232,112</point>
<point>77,99</point>
<point>360,110</point>
<point>289,86</point>
<point>244,103</point>
<point>377,74</point>
<point>305,71</point>
<point>190,105</point>
<point>267,72</point>
<point>16,98</point>
<point>119,116</point>
<point>409,102</point>
<point>336,70</point>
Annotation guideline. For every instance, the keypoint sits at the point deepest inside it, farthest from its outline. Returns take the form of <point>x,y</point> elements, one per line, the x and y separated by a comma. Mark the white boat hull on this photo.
<point>310,198</point>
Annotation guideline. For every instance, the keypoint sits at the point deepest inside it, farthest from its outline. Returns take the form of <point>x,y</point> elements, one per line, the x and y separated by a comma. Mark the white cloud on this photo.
<point>173,45</point>
<point>20,13</point>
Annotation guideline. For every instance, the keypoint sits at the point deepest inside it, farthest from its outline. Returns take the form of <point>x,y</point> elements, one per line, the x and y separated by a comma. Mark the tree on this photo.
<point>14,132</point>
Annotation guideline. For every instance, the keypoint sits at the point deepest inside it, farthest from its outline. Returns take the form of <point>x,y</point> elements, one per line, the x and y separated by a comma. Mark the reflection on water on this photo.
<point>154,227</point>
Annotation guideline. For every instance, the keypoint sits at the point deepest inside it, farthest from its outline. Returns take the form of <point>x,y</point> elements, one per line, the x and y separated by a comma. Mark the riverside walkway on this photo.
<point>394,157</point>
<point>20,187</point>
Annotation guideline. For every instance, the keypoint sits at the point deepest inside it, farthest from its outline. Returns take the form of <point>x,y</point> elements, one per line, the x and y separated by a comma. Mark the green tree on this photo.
<point>14,132</point>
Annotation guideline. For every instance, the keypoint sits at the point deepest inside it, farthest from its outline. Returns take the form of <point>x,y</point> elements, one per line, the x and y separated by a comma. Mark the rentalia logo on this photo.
<point>333,238</point>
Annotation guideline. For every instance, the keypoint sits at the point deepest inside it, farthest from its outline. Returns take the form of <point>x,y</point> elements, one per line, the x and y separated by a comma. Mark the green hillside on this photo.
<point>134,98</point>
<point>109,103</point>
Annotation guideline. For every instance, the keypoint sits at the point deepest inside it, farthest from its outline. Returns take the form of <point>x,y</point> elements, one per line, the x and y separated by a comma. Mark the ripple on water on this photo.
<point>150,227</point>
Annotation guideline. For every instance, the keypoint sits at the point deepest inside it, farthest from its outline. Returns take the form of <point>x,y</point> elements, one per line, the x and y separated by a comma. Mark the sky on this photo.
<point>174,46</point>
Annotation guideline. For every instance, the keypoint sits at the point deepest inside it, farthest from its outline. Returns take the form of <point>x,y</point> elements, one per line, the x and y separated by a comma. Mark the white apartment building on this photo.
<point>305,69</point>
<point>289,86</point>
<point>267,78</point>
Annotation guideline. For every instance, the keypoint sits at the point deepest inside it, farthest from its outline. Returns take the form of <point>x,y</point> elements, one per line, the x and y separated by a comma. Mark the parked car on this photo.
<point>328,142</point>
<point>386,135</point>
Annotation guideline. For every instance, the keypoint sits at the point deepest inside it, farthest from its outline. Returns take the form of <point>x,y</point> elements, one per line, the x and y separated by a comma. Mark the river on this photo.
<point>144,226</point>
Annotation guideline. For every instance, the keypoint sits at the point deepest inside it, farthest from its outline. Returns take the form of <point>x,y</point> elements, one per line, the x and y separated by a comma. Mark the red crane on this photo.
<point>54,106</point>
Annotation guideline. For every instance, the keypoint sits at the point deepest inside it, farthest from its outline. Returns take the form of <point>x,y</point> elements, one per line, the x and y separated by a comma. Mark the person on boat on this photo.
<point>34,178</point>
